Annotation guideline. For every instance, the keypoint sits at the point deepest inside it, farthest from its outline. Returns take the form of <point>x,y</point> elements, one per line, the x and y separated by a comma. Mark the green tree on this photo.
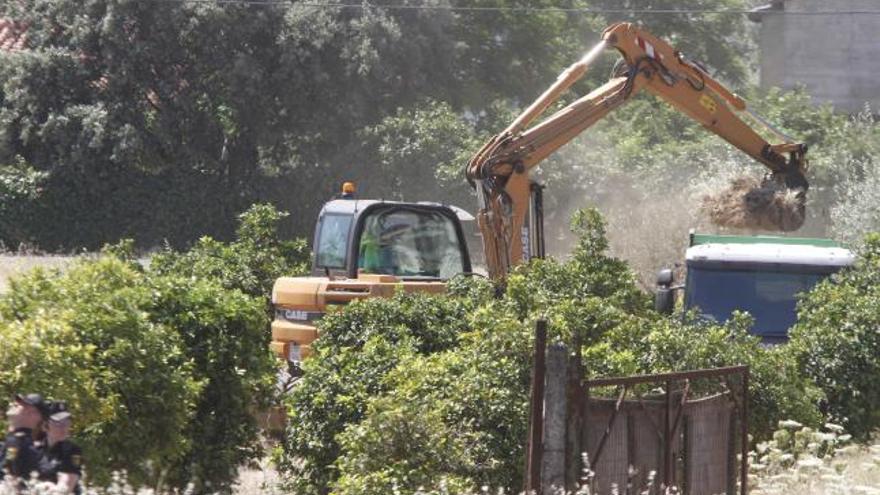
<point>172,357</point>
<point>250,263</point>
<point>216,296</point>
<point>86,337</point>
<point>223,334</point>
<point>357,348</point>
<point>457,417</point>
<point>836,343</point>
<point>428,146</point>
<point>169,131</point>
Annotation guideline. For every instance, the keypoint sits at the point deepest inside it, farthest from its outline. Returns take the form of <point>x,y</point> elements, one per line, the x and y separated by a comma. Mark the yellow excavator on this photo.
<point>372,248</point>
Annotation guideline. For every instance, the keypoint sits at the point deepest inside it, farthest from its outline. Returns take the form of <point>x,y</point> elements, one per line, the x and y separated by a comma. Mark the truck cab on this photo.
<point>761,275</point>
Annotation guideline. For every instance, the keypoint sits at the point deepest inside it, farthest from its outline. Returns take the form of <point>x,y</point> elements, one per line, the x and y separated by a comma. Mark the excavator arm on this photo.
<point>500,170</point>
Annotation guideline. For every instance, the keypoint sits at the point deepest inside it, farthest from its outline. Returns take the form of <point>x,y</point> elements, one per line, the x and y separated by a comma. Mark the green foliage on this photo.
<point>19,192</point>
<point>457,417</point>
<point>514,54</point>
<point>357,347</point>
<point>216,296</point>
<point>382,412</point>
<point>87,337</point>
<point>172,358</point>
<point>590,272</point>
<point>777,389</point>
<point>251,263</point>
<point>223,333</point>
<point>836,343</point>
<point>155,143</point>
<point>426,146</point>
<point>223,104</point>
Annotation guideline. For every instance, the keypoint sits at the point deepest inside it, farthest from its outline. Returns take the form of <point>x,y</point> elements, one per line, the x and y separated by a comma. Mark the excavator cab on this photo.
<point>362,249</point>
<point>409,241</point>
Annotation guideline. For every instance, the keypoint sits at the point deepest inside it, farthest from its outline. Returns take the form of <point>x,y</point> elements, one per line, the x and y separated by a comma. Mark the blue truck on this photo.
<point>761,275</point>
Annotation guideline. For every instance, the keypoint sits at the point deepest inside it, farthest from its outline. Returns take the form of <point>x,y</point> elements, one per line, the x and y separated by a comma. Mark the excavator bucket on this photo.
<point>754,204</point>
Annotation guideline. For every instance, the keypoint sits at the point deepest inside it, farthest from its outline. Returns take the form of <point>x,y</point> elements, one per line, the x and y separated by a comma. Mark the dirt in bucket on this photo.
<point>752,204</point>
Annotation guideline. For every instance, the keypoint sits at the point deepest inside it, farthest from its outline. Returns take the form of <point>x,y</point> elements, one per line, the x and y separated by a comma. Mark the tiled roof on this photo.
<point>13,35</point>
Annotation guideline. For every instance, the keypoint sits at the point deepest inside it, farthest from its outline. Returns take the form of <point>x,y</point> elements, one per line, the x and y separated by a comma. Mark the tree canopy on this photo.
<point>161,120</point>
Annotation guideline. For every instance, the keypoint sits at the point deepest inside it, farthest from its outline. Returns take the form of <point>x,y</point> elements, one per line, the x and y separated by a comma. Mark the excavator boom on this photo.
<point>500,169</point>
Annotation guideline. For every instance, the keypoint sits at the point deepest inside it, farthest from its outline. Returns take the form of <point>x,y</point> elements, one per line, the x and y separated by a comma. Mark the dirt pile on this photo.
<point>750,203</point>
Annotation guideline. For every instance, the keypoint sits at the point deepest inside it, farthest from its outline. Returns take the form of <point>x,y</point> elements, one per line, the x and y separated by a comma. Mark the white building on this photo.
<point>832,47</point>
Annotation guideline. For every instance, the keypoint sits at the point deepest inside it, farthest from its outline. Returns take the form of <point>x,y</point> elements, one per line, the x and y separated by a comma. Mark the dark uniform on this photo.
<point>20,456</point>
<point>61,457</point>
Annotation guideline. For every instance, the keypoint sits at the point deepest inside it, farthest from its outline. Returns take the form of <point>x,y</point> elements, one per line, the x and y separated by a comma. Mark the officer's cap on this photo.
<point>58,411</point>
<point>35,400</point>
<point>59,417</point>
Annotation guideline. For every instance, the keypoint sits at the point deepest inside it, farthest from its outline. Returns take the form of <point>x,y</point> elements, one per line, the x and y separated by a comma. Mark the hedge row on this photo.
<point>428,391</point>
<point>161,363</point>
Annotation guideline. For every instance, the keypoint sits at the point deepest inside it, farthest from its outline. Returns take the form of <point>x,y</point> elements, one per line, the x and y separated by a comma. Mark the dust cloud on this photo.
<point>650,214</point>
<point>647,221</point>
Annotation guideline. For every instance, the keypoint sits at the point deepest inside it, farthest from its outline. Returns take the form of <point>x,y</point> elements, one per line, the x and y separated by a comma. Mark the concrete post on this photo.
<point>553,462</point>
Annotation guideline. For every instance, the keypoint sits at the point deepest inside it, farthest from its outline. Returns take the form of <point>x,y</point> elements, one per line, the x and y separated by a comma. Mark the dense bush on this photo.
<point>356,349</point>
<point>590,272</point>
<point>87,337</point>
<point>403,417</point>
<point>19,192</point>
<point>223,334</point>
<point>172,357</point>
<point>250,263</point>
<point>457,417</point>
<point>778,390</point>
<point>837,344</point>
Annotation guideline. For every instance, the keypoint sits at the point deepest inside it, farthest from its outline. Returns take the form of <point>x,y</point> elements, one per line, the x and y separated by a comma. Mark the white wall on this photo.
<point>836,57</point>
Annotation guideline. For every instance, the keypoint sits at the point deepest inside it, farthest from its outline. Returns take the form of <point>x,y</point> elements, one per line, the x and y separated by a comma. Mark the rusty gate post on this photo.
<point>534,442</point>
<point>553,465</point>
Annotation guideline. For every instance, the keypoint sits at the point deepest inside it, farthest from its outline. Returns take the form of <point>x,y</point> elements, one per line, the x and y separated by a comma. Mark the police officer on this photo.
<point>62,459</point>
<point>20,456</point>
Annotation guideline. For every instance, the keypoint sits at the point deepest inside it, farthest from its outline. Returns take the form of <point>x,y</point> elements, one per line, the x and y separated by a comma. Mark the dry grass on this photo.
<point>856,472</point>
<point>15,264</point>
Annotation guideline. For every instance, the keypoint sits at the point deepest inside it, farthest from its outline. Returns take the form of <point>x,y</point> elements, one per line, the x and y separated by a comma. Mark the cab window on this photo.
<point>332,241</point>
<point>410,243</point>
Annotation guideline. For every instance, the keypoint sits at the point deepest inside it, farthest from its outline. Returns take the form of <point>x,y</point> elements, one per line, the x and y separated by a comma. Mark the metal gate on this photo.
<point>678,429</point>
